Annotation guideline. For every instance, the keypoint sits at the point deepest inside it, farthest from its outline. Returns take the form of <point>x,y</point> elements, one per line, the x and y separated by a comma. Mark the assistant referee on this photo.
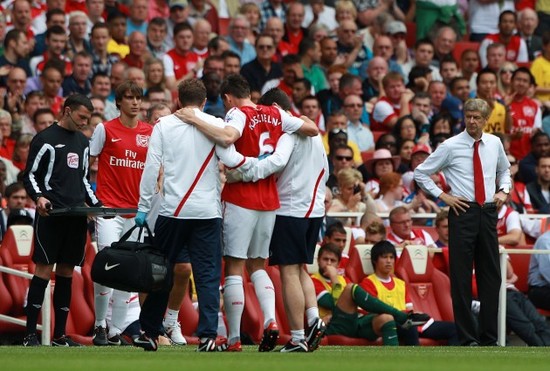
<point>56,177</point>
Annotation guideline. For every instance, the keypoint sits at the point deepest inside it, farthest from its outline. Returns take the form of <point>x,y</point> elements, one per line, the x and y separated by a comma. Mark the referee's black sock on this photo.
<point>61,304</point>
<point>35,298</point>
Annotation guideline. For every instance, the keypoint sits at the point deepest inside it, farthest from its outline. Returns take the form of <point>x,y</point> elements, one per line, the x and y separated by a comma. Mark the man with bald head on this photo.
<point>137,20</point>
<point>329,53</point>
<point>294,32</point>
<point>377,68</point>
<point>138,50</point>
<point>201,36</point>
<point>383,47</point>
<point>528,21</point>
<point>444,43</point>
<point>275,28</point>
<point>13,99</point>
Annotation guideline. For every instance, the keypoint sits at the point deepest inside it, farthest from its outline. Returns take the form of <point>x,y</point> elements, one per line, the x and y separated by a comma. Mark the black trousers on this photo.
<point>473,241</point>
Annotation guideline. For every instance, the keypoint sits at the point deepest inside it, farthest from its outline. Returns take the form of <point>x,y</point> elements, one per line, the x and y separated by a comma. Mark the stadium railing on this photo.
<point>46,307</point>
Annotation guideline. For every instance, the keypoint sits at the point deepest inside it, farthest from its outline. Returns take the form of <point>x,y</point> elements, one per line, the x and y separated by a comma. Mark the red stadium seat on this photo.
<point>359,265</point>
<point>520,264</point>
<point>189,319</point>
<point>81,320</point>
<point>411,34</point>
<point>377,134</point>
<point>224,26</point>
<point>430,289</point>
<point>366,155</point>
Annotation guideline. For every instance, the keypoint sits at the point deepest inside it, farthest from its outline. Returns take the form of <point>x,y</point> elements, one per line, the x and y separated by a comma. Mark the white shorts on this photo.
<point>110,230</point>
<point>246,233</point>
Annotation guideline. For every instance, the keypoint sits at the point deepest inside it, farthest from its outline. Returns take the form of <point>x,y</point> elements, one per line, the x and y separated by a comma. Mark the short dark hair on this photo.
<point>127,86</point>
<point>50,13</point>
<point>182,26</point>
<point>485,71</point>
<point>304,81</point>
<point>421,42</point>
<point>278,96</point>
<point>546,38</point>
<point>13,188</point>
<point>455,80</point>
<point>191,92</point>
<point>12,35</point>
<point>55,30</point>
<point>290,59</point>
<point>526,71</point>
<point>307,97</point>
<point>82,54</point>
<point>230,54</point>
<point>42,111</point>
<point>336,227</point>
<point>115,15</point>
<point>506,12</point>
<point>77,100</point>
<point>306,44</point>
<point>235,85</point>
<point>98,75</point>
<point>381,248</point>
<point>99,26</point>
<point>537,135</point>
<point>330,248</point>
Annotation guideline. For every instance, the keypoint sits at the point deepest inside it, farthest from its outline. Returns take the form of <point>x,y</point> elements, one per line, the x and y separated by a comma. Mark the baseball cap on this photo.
<point>180,3</point>
<point>394,27</point>
<point>421,148</point>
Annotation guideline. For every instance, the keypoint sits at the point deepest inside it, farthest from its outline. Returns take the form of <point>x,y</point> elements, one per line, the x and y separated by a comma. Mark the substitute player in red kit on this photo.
<point>120,146</point>
<point>249,208</point>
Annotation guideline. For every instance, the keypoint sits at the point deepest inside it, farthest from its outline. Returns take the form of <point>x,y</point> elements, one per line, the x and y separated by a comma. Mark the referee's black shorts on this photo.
<point>294,240</point>
<point>59,239</point>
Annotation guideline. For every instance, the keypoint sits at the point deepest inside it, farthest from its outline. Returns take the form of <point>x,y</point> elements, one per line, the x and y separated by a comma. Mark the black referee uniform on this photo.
<point>57,169</point>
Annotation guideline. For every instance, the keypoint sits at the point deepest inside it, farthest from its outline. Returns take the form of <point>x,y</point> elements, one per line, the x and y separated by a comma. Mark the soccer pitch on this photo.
<point>334,358</point>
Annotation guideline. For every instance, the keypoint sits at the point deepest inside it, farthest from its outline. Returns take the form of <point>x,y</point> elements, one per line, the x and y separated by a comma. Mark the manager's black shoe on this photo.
<point>148,344</point>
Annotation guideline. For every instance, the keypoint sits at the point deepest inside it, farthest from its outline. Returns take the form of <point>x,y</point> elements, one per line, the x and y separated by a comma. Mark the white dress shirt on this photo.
<point>455,158</point>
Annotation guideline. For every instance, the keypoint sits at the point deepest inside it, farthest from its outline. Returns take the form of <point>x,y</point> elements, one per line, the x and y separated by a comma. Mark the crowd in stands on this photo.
<point>384,80</point>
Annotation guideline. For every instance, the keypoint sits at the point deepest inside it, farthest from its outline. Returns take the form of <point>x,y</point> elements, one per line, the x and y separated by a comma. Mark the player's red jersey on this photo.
<point>121,163</point>
<point>260,128</point>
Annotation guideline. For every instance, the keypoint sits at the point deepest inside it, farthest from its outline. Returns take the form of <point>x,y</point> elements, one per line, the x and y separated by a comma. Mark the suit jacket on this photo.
<point>534,46</point>
<point>537,199</point>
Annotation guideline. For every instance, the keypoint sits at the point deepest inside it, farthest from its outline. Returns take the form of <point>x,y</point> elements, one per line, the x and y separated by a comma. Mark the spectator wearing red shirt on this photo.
<point>394,105</point>
<point>180,63</point>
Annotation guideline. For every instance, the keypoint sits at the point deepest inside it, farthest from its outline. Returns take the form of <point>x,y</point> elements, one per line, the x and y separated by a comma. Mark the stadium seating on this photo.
<point>81,320</point>
<point>359,265</point>
<point>224,26</point>
<point>429,288</point>
<point>411,34</point>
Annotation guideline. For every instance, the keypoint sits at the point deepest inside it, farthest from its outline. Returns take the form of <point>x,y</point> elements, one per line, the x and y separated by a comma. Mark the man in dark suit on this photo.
<point>528,21</point>
<point>540,145</point>
<point>539,189</point>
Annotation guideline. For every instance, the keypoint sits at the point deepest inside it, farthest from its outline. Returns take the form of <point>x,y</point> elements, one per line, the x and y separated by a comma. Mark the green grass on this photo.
<point>332,358</point>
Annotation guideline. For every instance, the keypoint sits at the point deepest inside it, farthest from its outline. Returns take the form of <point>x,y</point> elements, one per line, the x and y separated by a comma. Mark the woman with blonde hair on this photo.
<point>351,194</point>
<point>251,11</point>
<point>504,82</point>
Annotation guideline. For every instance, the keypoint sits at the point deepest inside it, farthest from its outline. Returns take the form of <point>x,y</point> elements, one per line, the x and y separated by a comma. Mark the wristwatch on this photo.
<point>506,191</point>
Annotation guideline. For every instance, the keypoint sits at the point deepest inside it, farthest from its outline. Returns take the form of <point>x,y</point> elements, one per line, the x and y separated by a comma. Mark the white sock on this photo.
<point>121,300</point>
<point>265,293</point>
<point>233,301</point>
<point>171,317</point>
<point>312,314</point>
<point>102,294</point>
<point>297,335</point>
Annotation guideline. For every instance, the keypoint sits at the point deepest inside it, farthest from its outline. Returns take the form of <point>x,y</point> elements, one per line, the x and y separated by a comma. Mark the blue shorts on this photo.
<point>293,240</point>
